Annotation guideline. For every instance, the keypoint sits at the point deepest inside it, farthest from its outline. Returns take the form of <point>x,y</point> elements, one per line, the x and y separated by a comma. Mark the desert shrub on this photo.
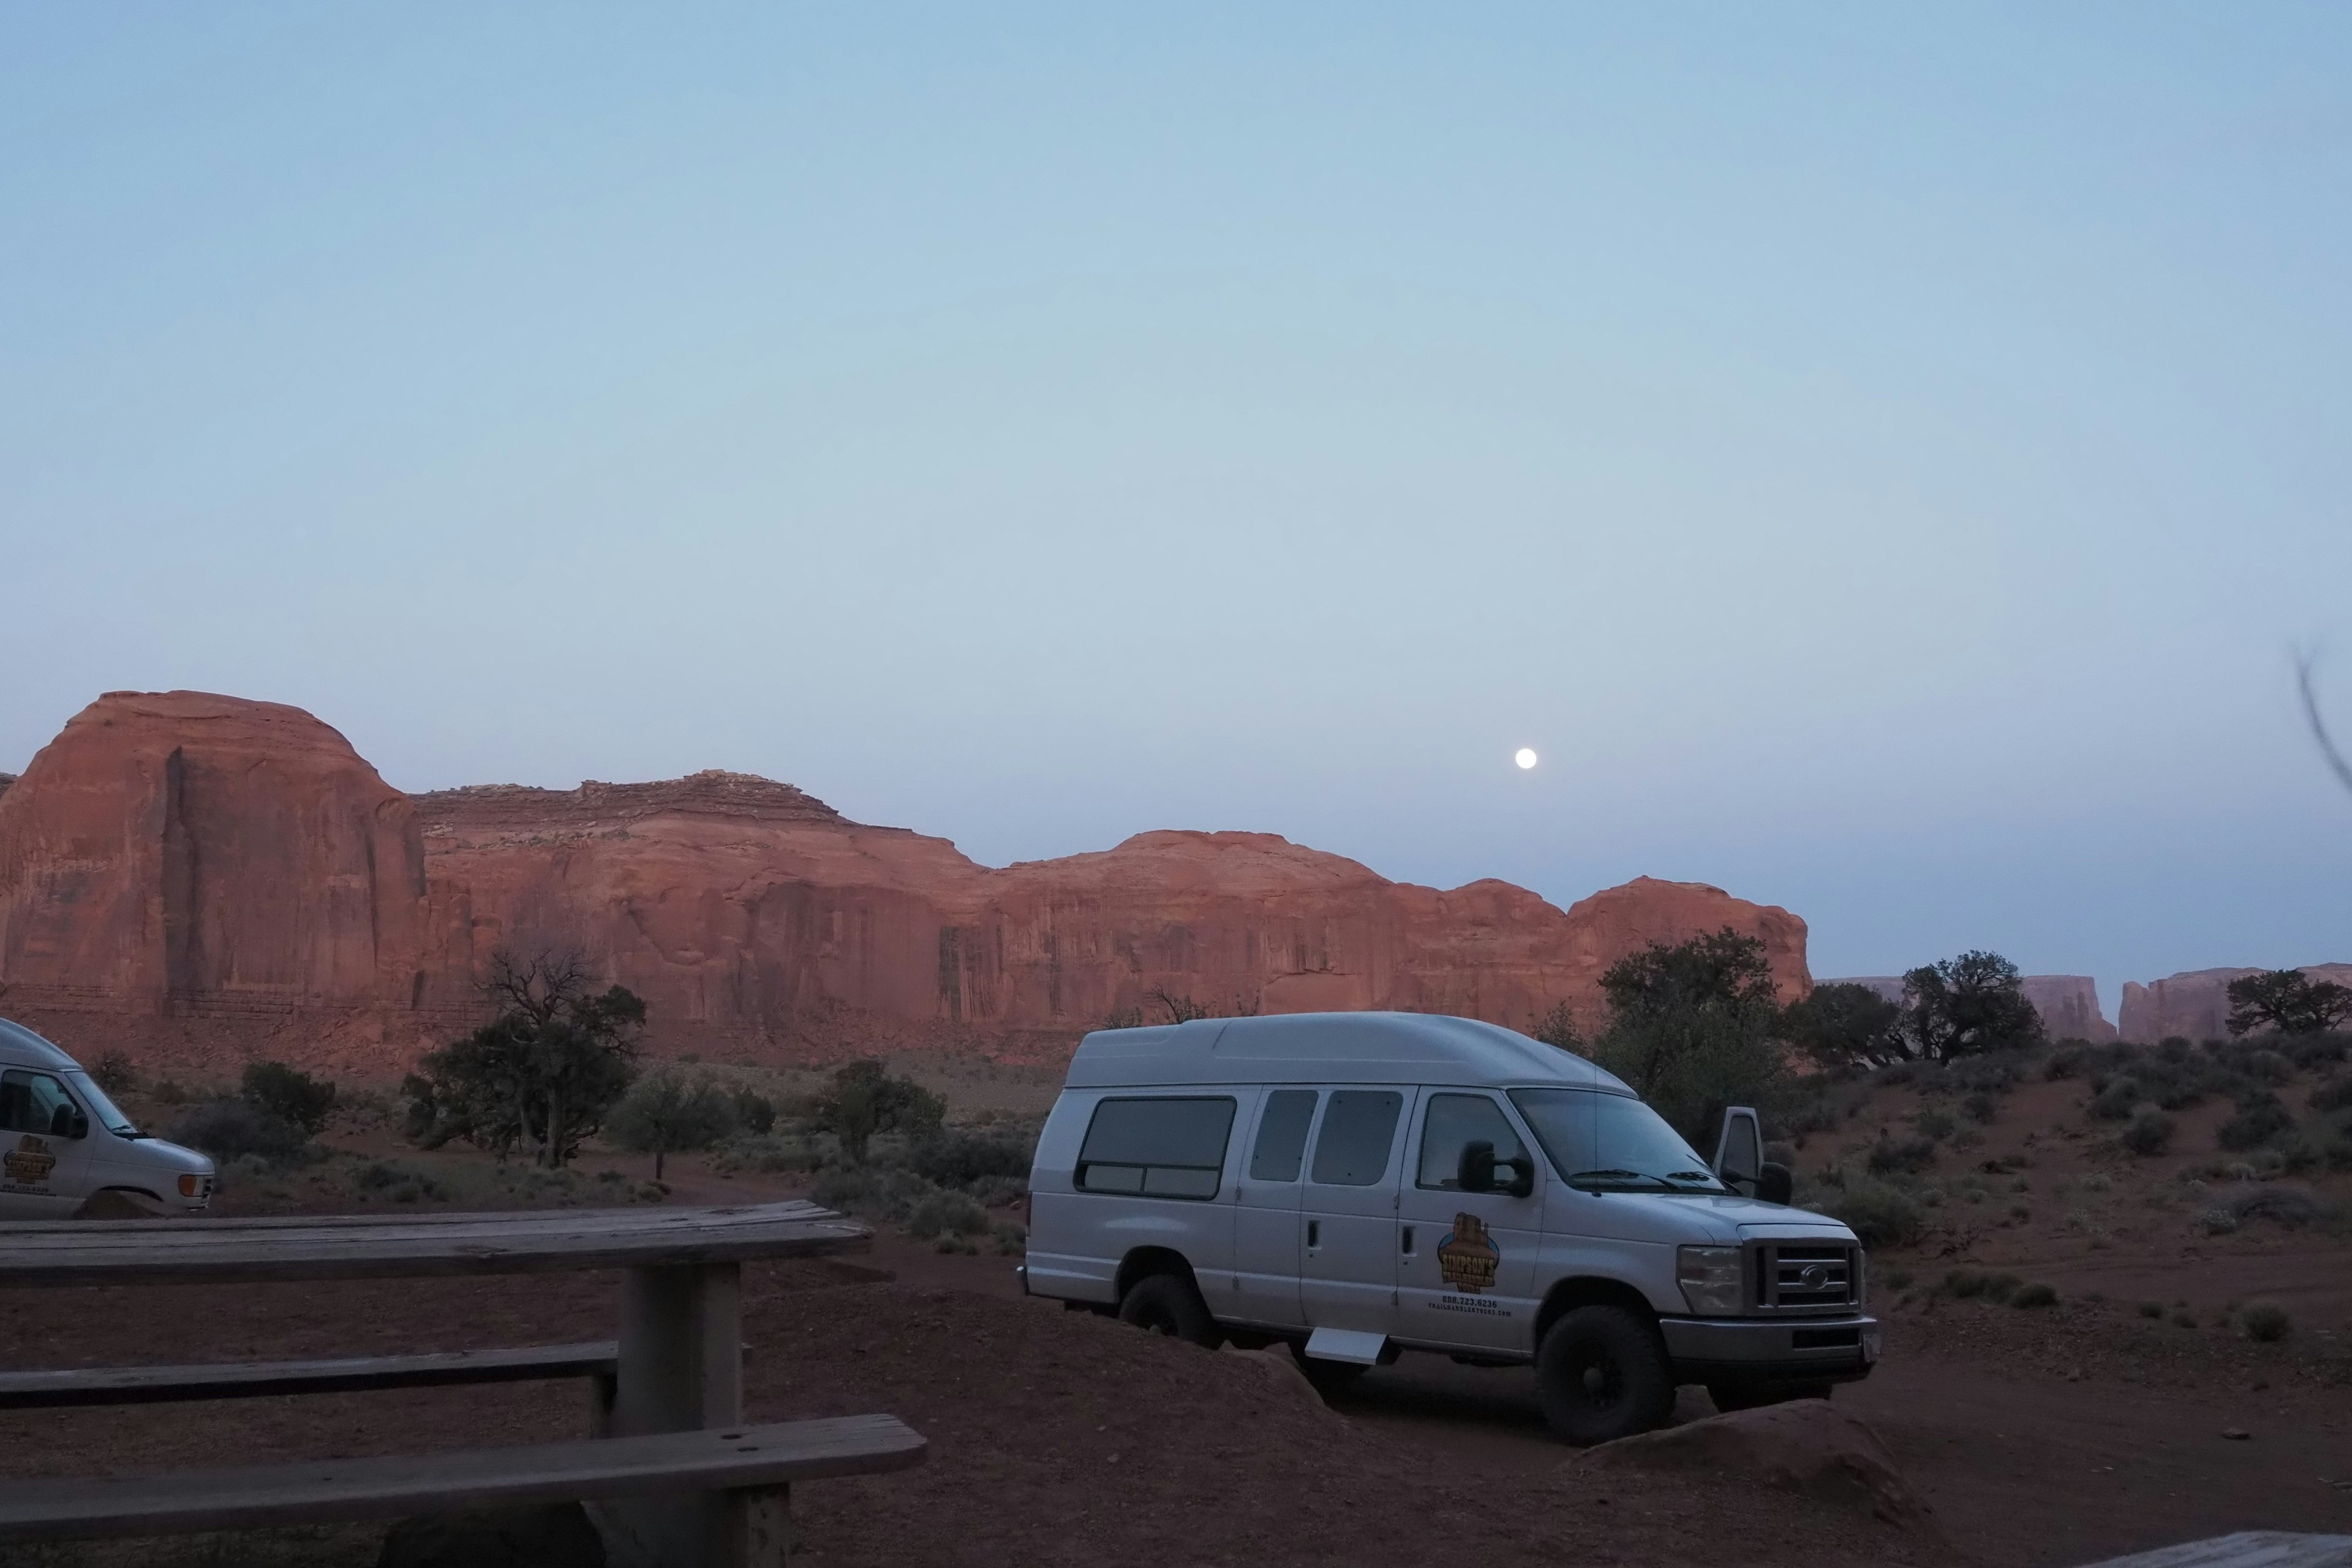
<point>1974,1284</point>
<point>959,1157</point>
<point>946,1214</point>
<point>2269,1066</point>
<point>115,1074</point>
<point>2151,1308</point>
<point>769,1154</point>
<point>232,1128</point>
<point>2290,1206</point>
<point>2217,1221</point>
<point>292,1097</point>
<point>1908,1156</point>
<point>1880,1215</point>
<point>2336,1094</point>
<point>865,1099</point>
<point>2338,1152</point>
<point>2266,1322</point>
<point>755,1114</point>
<point>1011,1240</point>
<point>2183,1318</point>
<point>1894,1075</point>
<point>1894,1278</point>
<point>871,1192</point>
<point>2260,1119</point>
<point>2036,1295</point>
<point>995,1191</point>
<point>395,1183</point>
<point>1981,1106</point>
<point>2115,1102</point>
<point>1933,1125</point>
<point>2149,1131</point>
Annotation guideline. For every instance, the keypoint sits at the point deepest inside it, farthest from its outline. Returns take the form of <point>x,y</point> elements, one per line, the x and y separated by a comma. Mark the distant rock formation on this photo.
<point>206,870</point>
<point>5,780</point>
<point>2069,1003</point>
<point>2195,1004</point>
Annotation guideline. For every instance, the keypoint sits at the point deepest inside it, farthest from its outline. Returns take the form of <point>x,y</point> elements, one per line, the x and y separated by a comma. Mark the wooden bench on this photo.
<point>747,1470</point>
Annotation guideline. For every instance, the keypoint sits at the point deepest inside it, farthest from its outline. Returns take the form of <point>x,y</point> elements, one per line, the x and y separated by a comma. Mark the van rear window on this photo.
<point>1156,1148</point>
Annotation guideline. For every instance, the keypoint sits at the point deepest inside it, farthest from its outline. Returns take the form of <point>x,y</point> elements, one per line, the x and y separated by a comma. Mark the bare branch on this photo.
<point>2319,726</point>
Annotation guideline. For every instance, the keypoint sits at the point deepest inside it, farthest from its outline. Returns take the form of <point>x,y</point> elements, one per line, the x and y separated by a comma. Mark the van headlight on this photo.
<point>1710,1278</point>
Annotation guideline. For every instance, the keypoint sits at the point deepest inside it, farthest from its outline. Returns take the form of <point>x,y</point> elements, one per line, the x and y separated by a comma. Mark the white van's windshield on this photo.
<point>109,1116</point>
<point>1611,1142</point>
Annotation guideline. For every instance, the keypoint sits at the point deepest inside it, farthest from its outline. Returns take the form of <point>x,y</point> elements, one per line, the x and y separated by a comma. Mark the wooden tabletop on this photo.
<point>350,1247</point>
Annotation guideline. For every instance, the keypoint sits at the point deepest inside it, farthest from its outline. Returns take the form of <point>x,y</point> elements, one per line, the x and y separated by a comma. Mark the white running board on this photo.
<point>1347,1344</point>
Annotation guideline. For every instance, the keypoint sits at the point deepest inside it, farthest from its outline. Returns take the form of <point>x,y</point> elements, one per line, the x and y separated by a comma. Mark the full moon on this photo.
<point>1525,757</point>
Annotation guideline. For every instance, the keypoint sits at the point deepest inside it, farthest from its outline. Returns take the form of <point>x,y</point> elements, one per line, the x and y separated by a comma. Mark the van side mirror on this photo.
<point>65,1121</point>
<point>1477,1172</point>
<point>1739,1151</point>
<point>1776,1184</point>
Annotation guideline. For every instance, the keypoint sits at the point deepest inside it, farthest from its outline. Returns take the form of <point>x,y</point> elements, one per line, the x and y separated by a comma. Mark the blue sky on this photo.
<point>1882,460</point>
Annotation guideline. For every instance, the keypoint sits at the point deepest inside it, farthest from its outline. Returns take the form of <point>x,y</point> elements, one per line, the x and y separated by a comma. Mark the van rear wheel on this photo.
<point>1170,1304</point>
<point>1600,1375</point>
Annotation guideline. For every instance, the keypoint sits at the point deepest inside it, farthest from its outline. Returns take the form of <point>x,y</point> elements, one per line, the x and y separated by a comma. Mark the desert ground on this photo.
<point>2133,1411</point>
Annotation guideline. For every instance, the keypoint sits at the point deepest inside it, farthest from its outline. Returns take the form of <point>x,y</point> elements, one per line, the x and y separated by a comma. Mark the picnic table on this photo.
<point>680,1363</point>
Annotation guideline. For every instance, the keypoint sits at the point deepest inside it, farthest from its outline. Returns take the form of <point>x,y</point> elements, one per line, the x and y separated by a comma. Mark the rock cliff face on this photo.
<point>2069,1003</point>
<point>177,852</point>
<point>182,863</point>
<point>2195,1004</point>
<point>5,780</point>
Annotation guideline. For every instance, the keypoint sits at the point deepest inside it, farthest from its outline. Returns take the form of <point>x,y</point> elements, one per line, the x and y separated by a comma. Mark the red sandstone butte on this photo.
<point>2196,1004</point>
<point>183,859</point>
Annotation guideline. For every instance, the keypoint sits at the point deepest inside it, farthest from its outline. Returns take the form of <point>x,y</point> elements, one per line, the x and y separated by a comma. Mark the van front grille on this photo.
<point>1806,1276</point>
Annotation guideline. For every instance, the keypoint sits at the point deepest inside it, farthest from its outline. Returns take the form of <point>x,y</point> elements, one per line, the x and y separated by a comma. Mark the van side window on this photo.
<point>1453,1120</point>
<point>1156,1148</point>
<point>34,1102</point>
<point>1357,1126</point>
<point>1281,1135</point>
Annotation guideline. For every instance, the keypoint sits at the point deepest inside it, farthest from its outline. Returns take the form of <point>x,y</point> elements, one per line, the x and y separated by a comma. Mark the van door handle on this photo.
<point>1408,1241</point>
<point>1314,1233</point>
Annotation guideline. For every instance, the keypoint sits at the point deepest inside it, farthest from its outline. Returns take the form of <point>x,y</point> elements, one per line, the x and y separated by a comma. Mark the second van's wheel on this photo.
<point>1600,1375</point>
<point>1170,1304</point>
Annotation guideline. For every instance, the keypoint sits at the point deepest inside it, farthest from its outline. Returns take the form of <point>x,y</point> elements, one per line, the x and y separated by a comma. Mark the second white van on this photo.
<point>1357,1185</point>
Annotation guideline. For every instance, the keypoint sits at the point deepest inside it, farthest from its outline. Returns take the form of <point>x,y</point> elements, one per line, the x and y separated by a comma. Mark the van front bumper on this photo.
<point>1772,1350</point>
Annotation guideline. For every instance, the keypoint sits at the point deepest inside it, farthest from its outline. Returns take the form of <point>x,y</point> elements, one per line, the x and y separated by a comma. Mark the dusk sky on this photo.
<point>1884,462</point>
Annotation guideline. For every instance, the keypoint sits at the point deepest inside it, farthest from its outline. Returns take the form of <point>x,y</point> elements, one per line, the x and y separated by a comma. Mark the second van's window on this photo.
<point>1359,1124</point>
<point>1454,1121</point>
<point>1281,1135</point>
<point>34,1102</point>
<point>1156,1148</point>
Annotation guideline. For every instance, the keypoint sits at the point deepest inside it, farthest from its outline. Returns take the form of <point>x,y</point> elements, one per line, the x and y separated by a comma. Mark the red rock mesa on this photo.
<point>218,878</point>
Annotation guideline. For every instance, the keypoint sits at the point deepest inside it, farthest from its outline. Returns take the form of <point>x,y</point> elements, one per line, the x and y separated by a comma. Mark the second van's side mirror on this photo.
<point>1776,1184</point>
<point>1477,1172</point>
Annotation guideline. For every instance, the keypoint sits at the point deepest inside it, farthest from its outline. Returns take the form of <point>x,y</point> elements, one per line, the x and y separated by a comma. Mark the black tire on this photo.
<point>1730,1396</point>
<point>1170,1304</point>
<point>1602,1375</point>
<point>1326,1375</point>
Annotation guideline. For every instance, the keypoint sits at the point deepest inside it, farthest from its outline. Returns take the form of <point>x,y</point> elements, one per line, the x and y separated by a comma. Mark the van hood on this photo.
<point>153,1153</point>
<point>1725,1218</point>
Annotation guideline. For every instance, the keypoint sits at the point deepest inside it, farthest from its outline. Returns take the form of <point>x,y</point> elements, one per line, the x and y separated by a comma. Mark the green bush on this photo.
<point>769,1154</point>
<point>1932,1124</point>
<point>665,1113</point>
<point>1881,1215</point>
<point>946,1214</point>
<point>2116,1101</point>
<point>1983,1106</point>
<point>2336,1094</point>
<point>115,1074</point>
<point>2035,1296</point>
<point>959,1158</point>
<point>233,1129</point>
<point>1908,1156</point>
<point>2266,1322</point>
<point>2260,1119</point>
<point>291,1097</point>
<point>755,1114</point>
<point>2149,1131</point>
<point>1975,1284</point>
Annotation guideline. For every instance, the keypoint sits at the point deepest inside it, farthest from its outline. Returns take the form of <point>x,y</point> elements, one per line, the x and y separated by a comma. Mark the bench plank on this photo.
<point>72,1386</point>
<point>311,1491</point>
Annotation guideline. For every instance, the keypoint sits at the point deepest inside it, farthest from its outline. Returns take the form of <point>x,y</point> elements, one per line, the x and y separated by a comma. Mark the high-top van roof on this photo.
<point>20,1046</point>
<point>1329,1048</point>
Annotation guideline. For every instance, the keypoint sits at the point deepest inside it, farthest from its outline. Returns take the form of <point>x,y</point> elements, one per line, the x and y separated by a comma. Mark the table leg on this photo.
<point>681,1369</point>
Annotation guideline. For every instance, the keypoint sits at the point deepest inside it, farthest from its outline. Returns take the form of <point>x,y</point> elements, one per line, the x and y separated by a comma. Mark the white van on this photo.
<point>1357,1184</point>
<point>62,1142</point>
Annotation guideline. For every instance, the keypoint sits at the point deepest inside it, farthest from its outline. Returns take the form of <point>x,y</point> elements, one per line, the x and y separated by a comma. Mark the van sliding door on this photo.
<point>1347,1219</point>
<point>1265,1280</point>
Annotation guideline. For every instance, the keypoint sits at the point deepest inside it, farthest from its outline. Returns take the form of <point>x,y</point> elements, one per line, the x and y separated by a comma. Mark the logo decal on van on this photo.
<point>1468,1255</point>
<point>30,1162</point>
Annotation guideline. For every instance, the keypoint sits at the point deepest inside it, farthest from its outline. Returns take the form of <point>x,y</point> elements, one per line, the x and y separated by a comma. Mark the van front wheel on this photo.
<point>1600,1375</point>
<point>1170,1304</point>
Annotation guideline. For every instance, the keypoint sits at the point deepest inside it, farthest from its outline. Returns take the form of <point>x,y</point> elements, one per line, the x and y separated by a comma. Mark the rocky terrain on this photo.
<point>189,876</point>
<point>2195,1005</point>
